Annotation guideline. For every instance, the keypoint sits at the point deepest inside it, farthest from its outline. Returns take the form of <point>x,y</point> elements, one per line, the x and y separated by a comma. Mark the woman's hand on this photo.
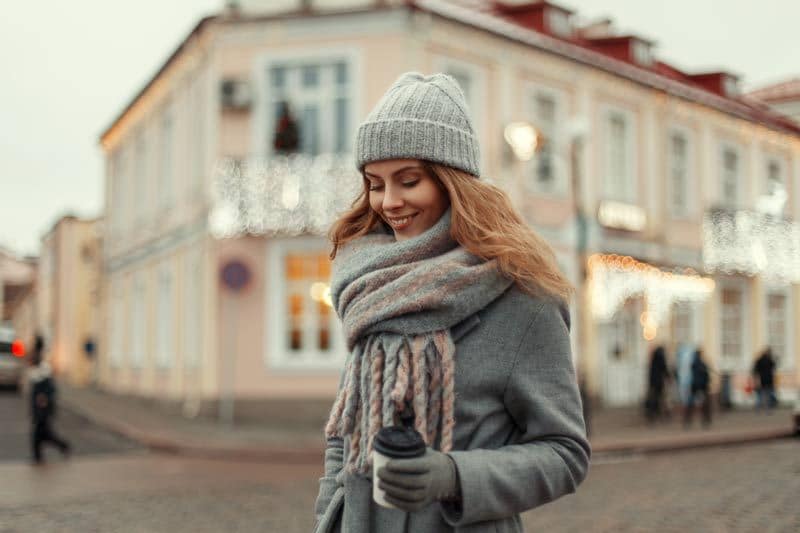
<point>413,484</point>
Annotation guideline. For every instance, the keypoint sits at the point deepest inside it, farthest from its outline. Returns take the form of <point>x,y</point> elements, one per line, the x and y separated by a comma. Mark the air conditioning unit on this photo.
<point>235,94</point>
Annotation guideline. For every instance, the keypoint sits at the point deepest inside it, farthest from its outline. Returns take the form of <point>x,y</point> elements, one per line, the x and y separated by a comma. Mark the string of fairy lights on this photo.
<point>301,194</point>
<point>614,279</point>
<point>281,195</point>
<point>751,243</point>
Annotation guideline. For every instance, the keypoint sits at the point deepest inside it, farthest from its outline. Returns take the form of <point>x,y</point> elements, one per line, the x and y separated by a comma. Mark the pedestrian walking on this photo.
<point>43,405</point>
<point>454,312</point>
<point>764,370</point>
<point>658,376</point>
<point>700,390</point>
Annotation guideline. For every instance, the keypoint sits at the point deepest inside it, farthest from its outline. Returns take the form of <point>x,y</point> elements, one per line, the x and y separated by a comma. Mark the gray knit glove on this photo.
<point>413,484</point>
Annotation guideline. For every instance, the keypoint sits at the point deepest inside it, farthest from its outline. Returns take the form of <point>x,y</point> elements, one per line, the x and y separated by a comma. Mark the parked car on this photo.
<point>12,358</point>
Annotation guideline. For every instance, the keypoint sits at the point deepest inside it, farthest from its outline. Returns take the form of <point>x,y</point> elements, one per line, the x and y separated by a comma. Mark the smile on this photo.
<point>400,222</point>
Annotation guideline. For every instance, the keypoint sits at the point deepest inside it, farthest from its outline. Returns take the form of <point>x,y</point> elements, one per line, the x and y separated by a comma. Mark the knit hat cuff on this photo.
<point>404,138</point>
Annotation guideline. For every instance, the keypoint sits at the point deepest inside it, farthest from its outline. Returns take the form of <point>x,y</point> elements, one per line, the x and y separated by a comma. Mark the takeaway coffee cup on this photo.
<point>393,442</point>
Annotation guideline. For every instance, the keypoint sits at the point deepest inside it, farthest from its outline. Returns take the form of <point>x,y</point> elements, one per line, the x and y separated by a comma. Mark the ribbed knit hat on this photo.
<point>420,117</point>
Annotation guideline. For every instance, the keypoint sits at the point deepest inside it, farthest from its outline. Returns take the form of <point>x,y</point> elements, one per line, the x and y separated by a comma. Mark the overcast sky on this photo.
<point>70,66</point>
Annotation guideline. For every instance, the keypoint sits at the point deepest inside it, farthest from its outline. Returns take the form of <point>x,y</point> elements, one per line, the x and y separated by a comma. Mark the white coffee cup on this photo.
<point>393,442</point>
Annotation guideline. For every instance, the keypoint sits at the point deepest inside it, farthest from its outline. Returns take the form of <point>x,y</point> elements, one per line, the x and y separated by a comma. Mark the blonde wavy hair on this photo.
<point>484,222</point>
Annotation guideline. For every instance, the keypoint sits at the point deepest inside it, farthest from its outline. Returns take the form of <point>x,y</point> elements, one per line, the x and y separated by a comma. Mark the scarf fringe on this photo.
<point>383,376</point>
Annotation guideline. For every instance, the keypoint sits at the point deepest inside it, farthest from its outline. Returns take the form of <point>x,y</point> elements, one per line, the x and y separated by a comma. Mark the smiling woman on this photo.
<point>454,313</point>
<point>405,195</point>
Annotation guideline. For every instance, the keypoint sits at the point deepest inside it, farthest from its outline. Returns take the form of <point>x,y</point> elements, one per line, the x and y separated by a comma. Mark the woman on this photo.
<point>455,315</point>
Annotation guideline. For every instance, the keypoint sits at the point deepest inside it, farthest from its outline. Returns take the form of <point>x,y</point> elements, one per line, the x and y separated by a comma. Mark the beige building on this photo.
<point>68,299</point>
<point>670,201</point>
<point>17,285</point>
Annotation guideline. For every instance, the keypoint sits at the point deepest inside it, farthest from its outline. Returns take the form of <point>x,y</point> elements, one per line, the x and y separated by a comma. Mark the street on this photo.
<point>85,438</point>
<point>111,485</point>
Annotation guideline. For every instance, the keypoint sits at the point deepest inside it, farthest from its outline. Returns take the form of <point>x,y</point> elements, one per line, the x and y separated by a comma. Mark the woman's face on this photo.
<point>405,196</point>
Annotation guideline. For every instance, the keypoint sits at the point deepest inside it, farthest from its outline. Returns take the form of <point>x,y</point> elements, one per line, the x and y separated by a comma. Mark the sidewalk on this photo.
<point>614,430</point>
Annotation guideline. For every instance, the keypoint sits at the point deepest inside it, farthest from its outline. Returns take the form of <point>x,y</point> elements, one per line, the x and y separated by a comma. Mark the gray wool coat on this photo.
<point>519,438</point>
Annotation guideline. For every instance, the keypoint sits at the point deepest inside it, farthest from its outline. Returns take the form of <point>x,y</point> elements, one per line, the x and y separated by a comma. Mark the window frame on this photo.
<point>138,329</point>
<point>165,345</point>
<point>688,209</point>
<point>787,362</point>
<point>631,193</point>
<point>739,363</point>
<point>725,146</point>
<point>560,150</point>
<point>276,355</point>
<point>263,124</point>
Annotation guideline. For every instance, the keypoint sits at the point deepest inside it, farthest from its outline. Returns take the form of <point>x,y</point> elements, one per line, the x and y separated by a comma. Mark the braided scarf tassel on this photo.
<point>381,374</point>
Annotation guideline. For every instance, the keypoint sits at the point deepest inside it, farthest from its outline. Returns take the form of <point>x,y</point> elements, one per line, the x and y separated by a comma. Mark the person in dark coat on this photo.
<point>659,374</point>
<point>43,405</point>
<point>699,390</point>
<point>764,369</point>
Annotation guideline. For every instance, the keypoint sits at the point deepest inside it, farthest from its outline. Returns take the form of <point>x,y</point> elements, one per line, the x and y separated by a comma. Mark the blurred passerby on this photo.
<point>658,376</point>
<point>764,370</point>
<point>684,355</point>
<point>43,404</point>
<point>699,390</point>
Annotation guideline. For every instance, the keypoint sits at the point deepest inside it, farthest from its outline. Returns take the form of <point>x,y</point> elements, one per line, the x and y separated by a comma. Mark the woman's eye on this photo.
<point>409,184</point>
<point>375,187</point>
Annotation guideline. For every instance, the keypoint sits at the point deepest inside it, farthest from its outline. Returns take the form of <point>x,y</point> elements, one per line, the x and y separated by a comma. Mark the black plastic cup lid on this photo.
<point>399,442</point>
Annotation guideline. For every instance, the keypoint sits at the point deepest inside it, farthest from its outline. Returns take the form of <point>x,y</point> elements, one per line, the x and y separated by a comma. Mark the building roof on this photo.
<point>485,15</point>
<point>480,14</point>
<point>778,92</point>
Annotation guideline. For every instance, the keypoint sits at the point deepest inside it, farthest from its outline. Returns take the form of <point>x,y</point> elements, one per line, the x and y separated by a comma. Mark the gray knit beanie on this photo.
<point>420,117</point>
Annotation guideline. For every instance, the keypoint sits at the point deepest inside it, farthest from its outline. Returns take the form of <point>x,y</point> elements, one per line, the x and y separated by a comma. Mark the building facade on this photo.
<point>215,264</point>
<point>68,298</point>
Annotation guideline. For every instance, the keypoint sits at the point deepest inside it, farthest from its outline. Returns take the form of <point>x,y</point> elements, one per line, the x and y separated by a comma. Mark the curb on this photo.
<point>682,443</point>
<point>270,453</point>
<point>176,446</point>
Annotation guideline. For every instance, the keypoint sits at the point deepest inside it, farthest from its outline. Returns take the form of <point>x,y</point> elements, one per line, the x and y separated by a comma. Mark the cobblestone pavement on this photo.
<point>741,488</point>
<point>85,437</point>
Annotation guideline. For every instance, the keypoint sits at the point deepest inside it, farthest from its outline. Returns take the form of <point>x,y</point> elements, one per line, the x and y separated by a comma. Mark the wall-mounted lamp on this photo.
<point>523,139</point>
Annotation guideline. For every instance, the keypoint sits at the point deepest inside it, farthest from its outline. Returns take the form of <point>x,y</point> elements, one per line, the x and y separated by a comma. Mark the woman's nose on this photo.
<point>392,199</point>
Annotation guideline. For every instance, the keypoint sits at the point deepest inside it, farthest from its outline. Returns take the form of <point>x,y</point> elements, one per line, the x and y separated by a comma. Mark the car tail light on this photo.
<point>18,348</point>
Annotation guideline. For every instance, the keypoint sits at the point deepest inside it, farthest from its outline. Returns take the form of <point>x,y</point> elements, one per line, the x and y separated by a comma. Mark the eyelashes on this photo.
<point>407,185</point>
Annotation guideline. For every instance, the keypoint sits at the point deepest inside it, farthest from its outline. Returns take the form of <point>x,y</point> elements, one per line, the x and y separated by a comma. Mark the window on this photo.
<point>559,22</point>
<point>732,325</point>
<point>166,171</point>
<point>774,176</point>
<point>642,53</point>
<point>138,323</point>
<point>165,320</point>
<point>619,182</point>
<point>303,331</point>
<point>730,177</point>
<point>544,167</point>
<point>308,303</point>
<point>197,148</point>
<point>193,314</point>
<point>118,191</point>
<point>140,177</point>
<point>319,96</point>
<point>679,174</point>
<point>778,329</point>
<point>117,328</point>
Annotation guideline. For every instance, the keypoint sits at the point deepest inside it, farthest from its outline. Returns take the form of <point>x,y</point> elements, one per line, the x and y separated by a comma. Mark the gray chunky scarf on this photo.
<point>397,302</point>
